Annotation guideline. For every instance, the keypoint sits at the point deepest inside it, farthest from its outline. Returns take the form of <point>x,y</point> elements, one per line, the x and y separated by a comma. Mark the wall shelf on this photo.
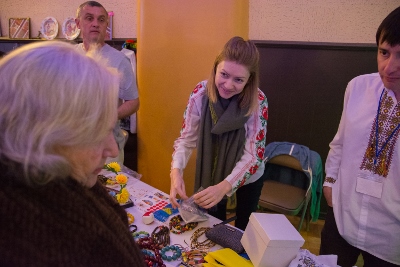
<point>8,44</point>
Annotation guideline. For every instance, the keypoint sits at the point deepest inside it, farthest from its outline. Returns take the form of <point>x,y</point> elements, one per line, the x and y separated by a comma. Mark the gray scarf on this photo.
<point>221,141</point>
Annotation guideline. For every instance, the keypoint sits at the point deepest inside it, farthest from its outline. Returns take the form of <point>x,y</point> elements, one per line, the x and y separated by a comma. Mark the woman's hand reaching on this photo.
<point>210,196</point>
<point>177,187</point>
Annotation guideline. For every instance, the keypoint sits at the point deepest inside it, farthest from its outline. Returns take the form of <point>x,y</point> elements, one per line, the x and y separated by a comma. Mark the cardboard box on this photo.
<point>270,240</point>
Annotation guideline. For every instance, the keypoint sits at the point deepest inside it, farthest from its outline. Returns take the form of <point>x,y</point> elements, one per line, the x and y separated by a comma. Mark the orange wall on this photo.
<point>178,41</point>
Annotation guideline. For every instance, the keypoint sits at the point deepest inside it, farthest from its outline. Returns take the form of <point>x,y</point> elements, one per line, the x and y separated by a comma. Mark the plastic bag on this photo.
<point>191,212</point>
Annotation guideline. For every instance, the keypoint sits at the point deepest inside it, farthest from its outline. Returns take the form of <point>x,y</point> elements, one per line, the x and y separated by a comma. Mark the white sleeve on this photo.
<point>187,141</point>
<point>334,158</point>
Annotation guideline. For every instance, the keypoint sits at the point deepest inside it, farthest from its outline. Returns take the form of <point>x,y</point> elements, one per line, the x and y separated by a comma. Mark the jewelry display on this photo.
<point>177,225</point>
<point>176,253</point>
<point>161,236</point>
<point>203,245</point>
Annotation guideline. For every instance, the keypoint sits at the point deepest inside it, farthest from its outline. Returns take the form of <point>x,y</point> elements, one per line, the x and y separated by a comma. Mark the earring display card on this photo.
<point>19,28</point>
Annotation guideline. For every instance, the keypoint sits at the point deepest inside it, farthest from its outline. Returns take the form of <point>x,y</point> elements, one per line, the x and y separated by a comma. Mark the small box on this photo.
<point>270,240</point>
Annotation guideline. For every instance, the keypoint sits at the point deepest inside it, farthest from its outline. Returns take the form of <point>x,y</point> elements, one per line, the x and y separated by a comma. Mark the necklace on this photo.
<point>160,235</point>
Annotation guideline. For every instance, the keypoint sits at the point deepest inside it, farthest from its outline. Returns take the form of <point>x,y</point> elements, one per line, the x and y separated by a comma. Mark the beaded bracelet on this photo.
<point>193,257</point>
<point>206,244</point>
<point>177,227</point>
<point>147,242</point>
<point>132,228</point>
<point>131,218</point>
<point>153,259</point>
<point>160,235</point>
<point>176,253</point>
<point>141,234</point>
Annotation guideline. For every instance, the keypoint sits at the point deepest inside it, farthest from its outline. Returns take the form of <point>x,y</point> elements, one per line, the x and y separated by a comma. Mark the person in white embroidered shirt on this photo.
<point>362,181</point>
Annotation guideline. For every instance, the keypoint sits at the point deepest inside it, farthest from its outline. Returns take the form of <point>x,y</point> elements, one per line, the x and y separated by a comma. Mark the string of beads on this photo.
<point>177,225</point>
<point>148,242</point>
<point>203,245</point>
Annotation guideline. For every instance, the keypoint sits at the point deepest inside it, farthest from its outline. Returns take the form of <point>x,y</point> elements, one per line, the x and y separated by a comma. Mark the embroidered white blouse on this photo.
<point>367,218</point>
<point>251,166</point>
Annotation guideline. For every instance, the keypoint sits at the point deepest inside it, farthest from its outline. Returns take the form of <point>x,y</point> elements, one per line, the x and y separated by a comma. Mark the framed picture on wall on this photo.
<point>19,28</point>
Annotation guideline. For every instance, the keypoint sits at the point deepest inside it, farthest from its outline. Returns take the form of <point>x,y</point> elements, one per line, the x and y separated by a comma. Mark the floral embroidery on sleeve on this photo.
<point>259,140</point>
<point>195,91</point>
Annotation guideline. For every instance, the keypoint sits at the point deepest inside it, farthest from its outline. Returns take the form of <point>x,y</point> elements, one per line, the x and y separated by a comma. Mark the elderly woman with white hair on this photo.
<point>58,108</point>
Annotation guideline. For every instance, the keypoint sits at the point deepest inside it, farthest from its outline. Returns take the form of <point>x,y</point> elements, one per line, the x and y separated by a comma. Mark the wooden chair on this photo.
<point>285,198</point>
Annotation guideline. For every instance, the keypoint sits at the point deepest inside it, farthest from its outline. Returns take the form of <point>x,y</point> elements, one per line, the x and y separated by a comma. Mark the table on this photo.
<point>144,197</point>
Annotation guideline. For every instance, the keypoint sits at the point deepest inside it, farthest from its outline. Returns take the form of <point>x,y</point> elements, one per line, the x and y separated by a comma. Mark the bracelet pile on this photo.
<point>177,226</point>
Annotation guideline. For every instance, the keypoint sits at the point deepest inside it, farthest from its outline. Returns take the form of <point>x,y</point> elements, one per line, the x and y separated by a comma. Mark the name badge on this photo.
<point>369,187</point>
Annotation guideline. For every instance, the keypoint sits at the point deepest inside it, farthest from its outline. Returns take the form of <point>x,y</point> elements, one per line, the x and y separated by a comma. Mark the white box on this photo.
<point>270,240</point>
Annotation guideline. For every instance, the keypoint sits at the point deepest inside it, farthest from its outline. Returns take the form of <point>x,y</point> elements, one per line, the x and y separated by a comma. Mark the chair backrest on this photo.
<point>287,161</point>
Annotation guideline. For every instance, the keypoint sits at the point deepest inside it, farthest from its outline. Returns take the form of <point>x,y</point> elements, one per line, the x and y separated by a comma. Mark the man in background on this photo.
<point>92,20</point>
<point>362,185</point>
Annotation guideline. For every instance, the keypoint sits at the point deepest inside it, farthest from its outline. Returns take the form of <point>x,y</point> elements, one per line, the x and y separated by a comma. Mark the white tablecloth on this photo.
<point>144,197</point>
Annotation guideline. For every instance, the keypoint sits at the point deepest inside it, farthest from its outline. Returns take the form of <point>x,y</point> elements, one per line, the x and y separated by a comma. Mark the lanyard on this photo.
<point>379,151</point>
